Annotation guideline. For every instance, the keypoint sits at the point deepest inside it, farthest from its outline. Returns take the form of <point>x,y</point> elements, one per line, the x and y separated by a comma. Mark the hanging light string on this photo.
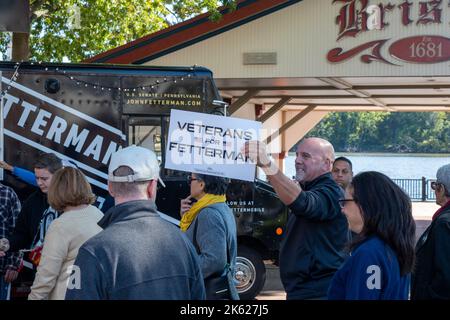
<point>151,86</point>
<point>164,80</point>
<point>86,84</point>
<point>14,78</point>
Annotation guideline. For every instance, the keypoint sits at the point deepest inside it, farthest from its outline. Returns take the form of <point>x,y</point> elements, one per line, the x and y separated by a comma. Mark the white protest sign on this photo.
<point>210,144</point>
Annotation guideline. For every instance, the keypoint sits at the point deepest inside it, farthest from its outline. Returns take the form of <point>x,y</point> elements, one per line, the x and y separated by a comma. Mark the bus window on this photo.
<point>146,132</point>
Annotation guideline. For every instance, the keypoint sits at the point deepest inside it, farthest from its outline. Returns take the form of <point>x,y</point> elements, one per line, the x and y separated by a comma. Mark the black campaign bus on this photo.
<point>85,112</point>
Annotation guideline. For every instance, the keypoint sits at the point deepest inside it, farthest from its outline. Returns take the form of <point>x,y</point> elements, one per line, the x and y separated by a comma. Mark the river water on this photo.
<point>393,165</point>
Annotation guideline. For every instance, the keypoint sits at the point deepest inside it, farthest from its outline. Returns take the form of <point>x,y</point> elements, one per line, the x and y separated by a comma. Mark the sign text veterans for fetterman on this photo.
<point>210,144</point>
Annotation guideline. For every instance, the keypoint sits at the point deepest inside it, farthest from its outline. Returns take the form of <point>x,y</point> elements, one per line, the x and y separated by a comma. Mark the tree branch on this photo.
<point>34,6</point>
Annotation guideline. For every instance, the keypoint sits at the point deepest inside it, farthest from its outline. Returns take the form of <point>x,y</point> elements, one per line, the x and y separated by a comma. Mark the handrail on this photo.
<point>417,189</point>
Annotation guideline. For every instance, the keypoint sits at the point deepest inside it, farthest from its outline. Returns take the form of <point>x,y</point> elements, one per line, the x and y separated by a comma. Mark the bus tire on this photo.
<point>250,273</point>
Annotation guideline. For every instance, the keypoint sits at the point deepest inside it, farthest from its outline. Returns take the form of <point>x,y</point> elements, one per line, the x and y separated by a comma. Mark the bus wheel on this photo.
<point>250,273</point>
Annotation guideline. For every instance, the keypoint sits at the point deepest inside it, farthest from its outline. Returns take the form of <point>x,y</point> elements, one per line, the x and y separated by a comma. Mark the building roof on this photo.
<point>301,81</point>
<point>189,32</point>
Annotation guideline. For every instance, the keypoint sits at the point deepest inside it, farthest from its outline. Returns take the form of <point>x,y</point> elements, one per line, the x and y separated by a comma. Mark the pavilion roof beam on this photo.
<point>277,88</point>
<point>290,123</point>
<point>337,97</point>
<point>347,87</point>
<point>354,87</point>
<point>418,105</point>
<point>242,100</point>
<point>338,83</point>
<point>402,86</point>
<point>380,104</point>
<point>274,109</point>
<point>358,88</point>
<point>371,105</point>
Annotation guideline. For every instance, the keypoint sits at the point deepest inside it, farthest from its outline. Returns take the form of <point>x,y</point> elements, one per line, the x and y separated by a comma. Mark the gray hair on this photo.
<point>127,188</point>
<point>443,177</point>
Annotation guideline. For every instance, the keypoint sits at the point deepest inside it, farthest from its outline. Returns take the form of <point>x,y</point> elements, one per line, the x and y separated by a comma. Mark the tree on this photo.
<point>386,132</point>
<point>77,29</point>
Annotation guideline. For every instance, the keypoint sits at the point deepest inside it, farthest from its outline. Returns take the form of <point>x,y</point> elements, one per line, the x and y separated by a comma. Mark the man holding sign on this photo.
<point>316,231</point>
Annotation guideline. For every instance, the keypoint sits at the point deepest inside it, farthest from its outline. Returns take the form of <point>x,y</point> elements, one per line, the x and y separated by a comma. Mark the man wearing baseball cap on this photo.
<point>138,255</point>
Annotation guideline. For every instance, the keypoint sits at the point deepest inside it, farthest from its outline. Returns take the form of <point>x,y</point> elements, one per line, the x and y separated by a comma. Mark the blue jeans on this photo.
<point>4,288</point>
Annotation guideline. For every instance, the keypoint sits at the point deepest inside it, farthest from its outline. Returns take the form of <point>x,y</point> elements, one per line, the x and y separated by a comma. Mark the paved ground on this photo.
<point>273,289</point>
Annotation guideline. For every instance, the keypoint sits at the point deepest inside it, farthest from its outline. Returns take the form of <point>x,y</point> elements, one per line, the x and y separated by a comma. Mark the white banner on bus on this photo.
<point>209,144</point>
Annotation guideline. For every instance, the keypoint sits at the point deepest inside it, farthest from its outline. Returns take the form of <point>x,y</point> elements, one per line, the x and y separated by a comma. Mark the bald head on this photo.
<point>315,157</point>
<point>323,147</point>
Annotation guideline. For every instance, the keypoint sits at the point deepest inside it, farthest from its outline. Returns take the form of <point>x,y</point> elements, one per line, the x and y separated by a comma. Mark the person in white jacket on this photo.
<point>71,194</point>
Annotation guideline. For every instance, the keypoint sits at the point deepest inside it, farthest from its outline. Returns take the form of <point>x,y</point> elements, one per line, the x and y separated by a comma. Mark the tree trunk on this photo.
<point>21,46</point>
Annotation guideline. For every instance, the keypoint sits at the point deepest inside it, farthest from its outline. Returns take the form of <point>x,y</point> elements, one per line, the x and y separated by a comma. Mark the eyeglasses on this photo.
<point>434,185</point>
<point>343,201</point>
<point>189,179</point>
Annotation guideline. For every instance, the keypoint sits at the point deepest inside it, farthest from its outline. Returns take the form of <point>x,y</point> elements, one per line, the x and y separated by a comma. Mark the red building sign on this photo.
<point>357,17</point>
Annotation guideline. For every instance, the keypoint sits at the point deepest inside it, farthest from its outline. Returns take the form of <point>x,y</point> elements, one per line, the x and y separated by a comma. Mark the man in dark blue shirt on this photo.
<point>316,231</point>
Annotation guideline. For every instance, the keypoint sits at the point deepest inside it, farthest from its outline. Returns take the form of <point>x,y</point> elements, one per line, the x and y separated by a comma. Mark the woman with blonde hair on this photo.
<point>71,194</point>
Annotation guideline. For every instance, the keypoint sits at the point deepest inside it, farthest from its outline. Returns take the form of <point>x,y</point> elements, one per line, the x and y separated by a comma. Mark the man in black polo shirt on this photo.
<point>316,231</point>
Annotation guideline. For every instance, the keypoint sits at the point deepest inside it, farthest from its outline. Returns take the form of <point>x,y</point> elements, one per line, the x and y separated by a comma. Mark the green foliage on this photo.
<point>386,132</point>
<point>58,31</point>
<point>4,40</point>
<point>187,8</point>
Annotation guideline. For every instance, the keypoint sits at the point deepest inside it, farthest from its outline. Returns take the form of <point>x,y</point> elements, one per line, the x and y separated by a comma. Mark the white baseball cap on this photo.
<point>142,161</point>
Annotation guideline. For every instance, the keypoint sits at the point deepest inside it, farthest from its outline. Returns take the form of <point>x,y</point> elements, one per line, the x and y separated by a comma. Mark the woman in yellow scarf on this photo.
<point>209,223</point>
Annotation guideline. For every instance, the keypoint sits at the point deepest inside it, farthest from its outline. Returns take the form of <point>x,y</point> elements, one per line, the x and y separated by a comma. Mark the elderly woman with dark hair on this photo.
<point>382,253</point>
<point>209,224</point>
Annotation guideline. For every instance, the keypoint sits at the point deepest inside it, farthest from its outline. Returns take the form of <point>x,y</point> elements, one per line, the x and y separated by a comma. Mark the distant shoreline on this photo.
<point>386,154</point>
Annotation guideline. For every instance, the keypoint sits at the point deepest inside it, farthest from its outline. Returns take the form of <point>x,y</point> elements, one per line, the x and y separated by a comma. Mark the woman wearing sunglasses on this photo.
<point>431,277</point>
<point>382,251</point>
<point>210,225</point>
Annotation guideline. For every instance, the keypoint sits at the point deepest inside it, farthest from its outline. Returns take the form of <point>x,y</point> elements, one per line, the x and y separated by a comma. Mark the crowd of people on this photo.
<point>347,237</point>
<point>371,256</point>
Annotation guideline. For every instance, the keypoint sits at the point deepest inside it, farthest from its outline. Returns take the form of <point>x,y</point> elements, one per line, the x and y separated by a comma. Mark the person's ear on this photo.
<point>441,190</point>
<point>329,164</point>
<point>110,190</point>
<point>151,189</point>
